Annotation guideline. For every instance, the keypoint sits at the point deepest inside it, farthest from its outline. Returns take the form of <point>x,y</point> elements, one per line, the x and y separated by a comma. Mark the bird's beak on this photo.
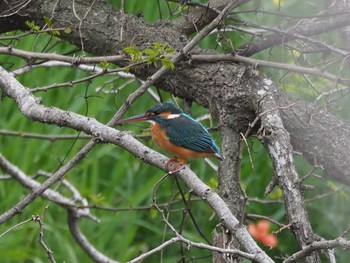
<point>141,117</point>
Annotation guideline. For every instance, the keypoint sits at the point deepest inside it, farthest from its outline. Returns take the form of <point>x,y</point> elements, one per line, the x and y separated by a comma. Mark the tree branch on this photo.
<point>276,139</point>
<point>324,244</point>
<point>31,184</point>
<point>306,27</point>
<point>83,241</point>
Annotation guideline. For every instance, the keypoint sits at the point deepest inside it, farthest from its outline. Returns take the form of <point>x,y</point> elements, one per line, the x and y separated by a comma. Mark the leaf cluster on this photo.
<point>48,23</point>
<point>157,55</point>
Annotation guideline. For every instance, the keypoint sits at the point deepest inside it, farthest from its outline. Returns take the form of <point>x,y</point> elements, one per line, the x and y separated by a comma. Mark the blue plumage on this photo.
<point>189,133</point>
<point>177,133</point>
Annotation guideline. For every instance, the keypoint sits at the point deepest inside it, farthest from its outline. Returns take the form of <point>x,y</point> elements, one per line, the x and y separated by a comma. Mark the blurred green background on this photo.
<point>111,177</point>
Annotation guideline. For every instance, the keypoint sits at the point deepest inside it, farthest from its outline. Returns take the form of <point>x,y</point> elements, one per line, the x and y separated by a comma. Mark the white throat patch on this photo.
<point>173,116</point>
<point>151,122</point>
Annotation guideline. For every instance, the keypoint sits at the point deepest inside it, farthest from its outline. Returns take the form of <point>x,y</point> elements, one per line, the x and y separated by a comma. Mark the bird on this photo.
<point>178,134</point>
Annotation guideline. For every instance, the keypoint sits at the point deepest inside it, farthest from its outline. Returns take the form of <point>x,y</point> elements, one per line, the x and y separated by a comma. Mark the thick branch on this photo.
<point>276,139</point>
<point>323,139</point>
<point>306,27</point>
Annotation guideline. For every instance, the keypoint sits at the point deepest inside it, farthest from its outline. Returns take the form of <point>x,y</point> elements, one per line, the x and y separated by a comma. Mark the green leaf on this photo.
<point>68,30</point>
<point>170,50</point>
<point>276,194</point>
<point>166,62</point>
<point>157,45</point>
<point>212,183</point>
<point>134,53</point>
<point>32,25</point>
<point>150,52</point>
<point>47,21</point>
<point>97,198</point>
<point>104,64</point>
<point>153,213</point>
<point>131,50</point>
<point>55,33</point>
<point>163,48</point>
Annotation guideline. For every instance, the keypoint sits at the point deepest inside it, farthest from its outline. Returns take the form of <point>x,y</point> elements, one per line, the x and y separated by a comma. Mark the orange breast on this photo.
<point>160,138</point>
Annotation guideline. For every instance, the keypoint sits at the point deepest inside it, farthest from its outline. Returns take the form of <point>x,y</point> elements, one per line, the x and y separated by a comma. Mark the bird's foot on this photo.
<point>176,165</point>
<point>171,160</point>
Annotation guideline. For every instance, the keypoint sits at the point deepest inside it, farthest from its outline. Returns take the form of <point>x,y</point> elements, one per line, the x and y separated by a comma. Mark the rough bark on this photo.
<point>234,93</point>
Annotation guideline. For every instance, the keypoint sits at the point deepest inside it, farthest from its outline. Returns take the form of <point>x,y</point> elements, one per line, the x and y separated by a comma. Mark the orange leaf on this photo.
<point>269,240</point>
<point>263,226</point>
<point>260,232</point>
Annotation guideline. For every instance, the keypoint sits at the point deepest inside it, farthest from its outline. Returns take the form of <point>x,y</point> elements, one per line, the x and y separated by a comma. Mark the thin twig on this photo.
<point>57,57</point>
<point>180,238</point>
<point>17,8</point>
<point>255,216</point>
<point>315,246</point>
<point>15,226</point>
<point>88,78</point>
<point>48,137</point>
<point>270,64</point>
<point>83,241</point>
<point>31,184</point>
<point>188,210</point>
<point>41,238</point>
<point>248,149</point>
<point>123,21</point>
<point>81,20</point>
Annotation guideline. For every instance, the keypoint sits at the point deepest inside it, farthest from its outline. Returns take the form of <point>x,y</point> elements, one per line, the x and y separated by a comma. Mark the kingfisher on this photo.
<point>177,133</point>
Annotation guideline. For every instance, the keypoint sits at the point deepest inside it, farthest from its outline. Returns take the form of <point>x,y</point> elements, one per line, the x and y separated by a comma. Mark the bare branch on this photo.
<point>274,136</point>
<point>15,9</point>
<point>155,250</point>
<point>49,137</point>
<point>306,27</point>
<point>15,226</point>
<point>31,184</point>
<point>41,238</point>
<point>254,216</point>
<point>83,241</point>
<point>53,56</point>
<point>315,246</point>
<point>189,243</point>
<point>263,63</point>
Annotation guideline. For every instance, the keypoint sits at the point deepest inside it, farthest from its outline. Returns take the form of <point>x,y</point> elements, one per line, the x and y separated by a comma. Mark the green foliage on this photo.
<point>67,30</point>
<point>104,64</point>
<point>32,26</point>
<point>167,63</point>
<point>152,56</point>
<point>47,21</point>
<point>134,52</point>
<point>49,24</point>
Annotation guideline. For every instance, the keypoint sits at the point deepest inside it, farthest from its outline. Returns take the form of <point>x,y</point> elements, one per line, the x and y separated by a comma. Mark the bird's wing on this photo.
<point>191,134</point>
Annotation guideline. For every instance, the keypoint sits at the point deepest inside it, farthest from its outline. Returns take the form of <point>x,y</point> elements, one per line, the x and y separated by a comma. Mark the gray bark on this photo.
<point>234,93</point>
